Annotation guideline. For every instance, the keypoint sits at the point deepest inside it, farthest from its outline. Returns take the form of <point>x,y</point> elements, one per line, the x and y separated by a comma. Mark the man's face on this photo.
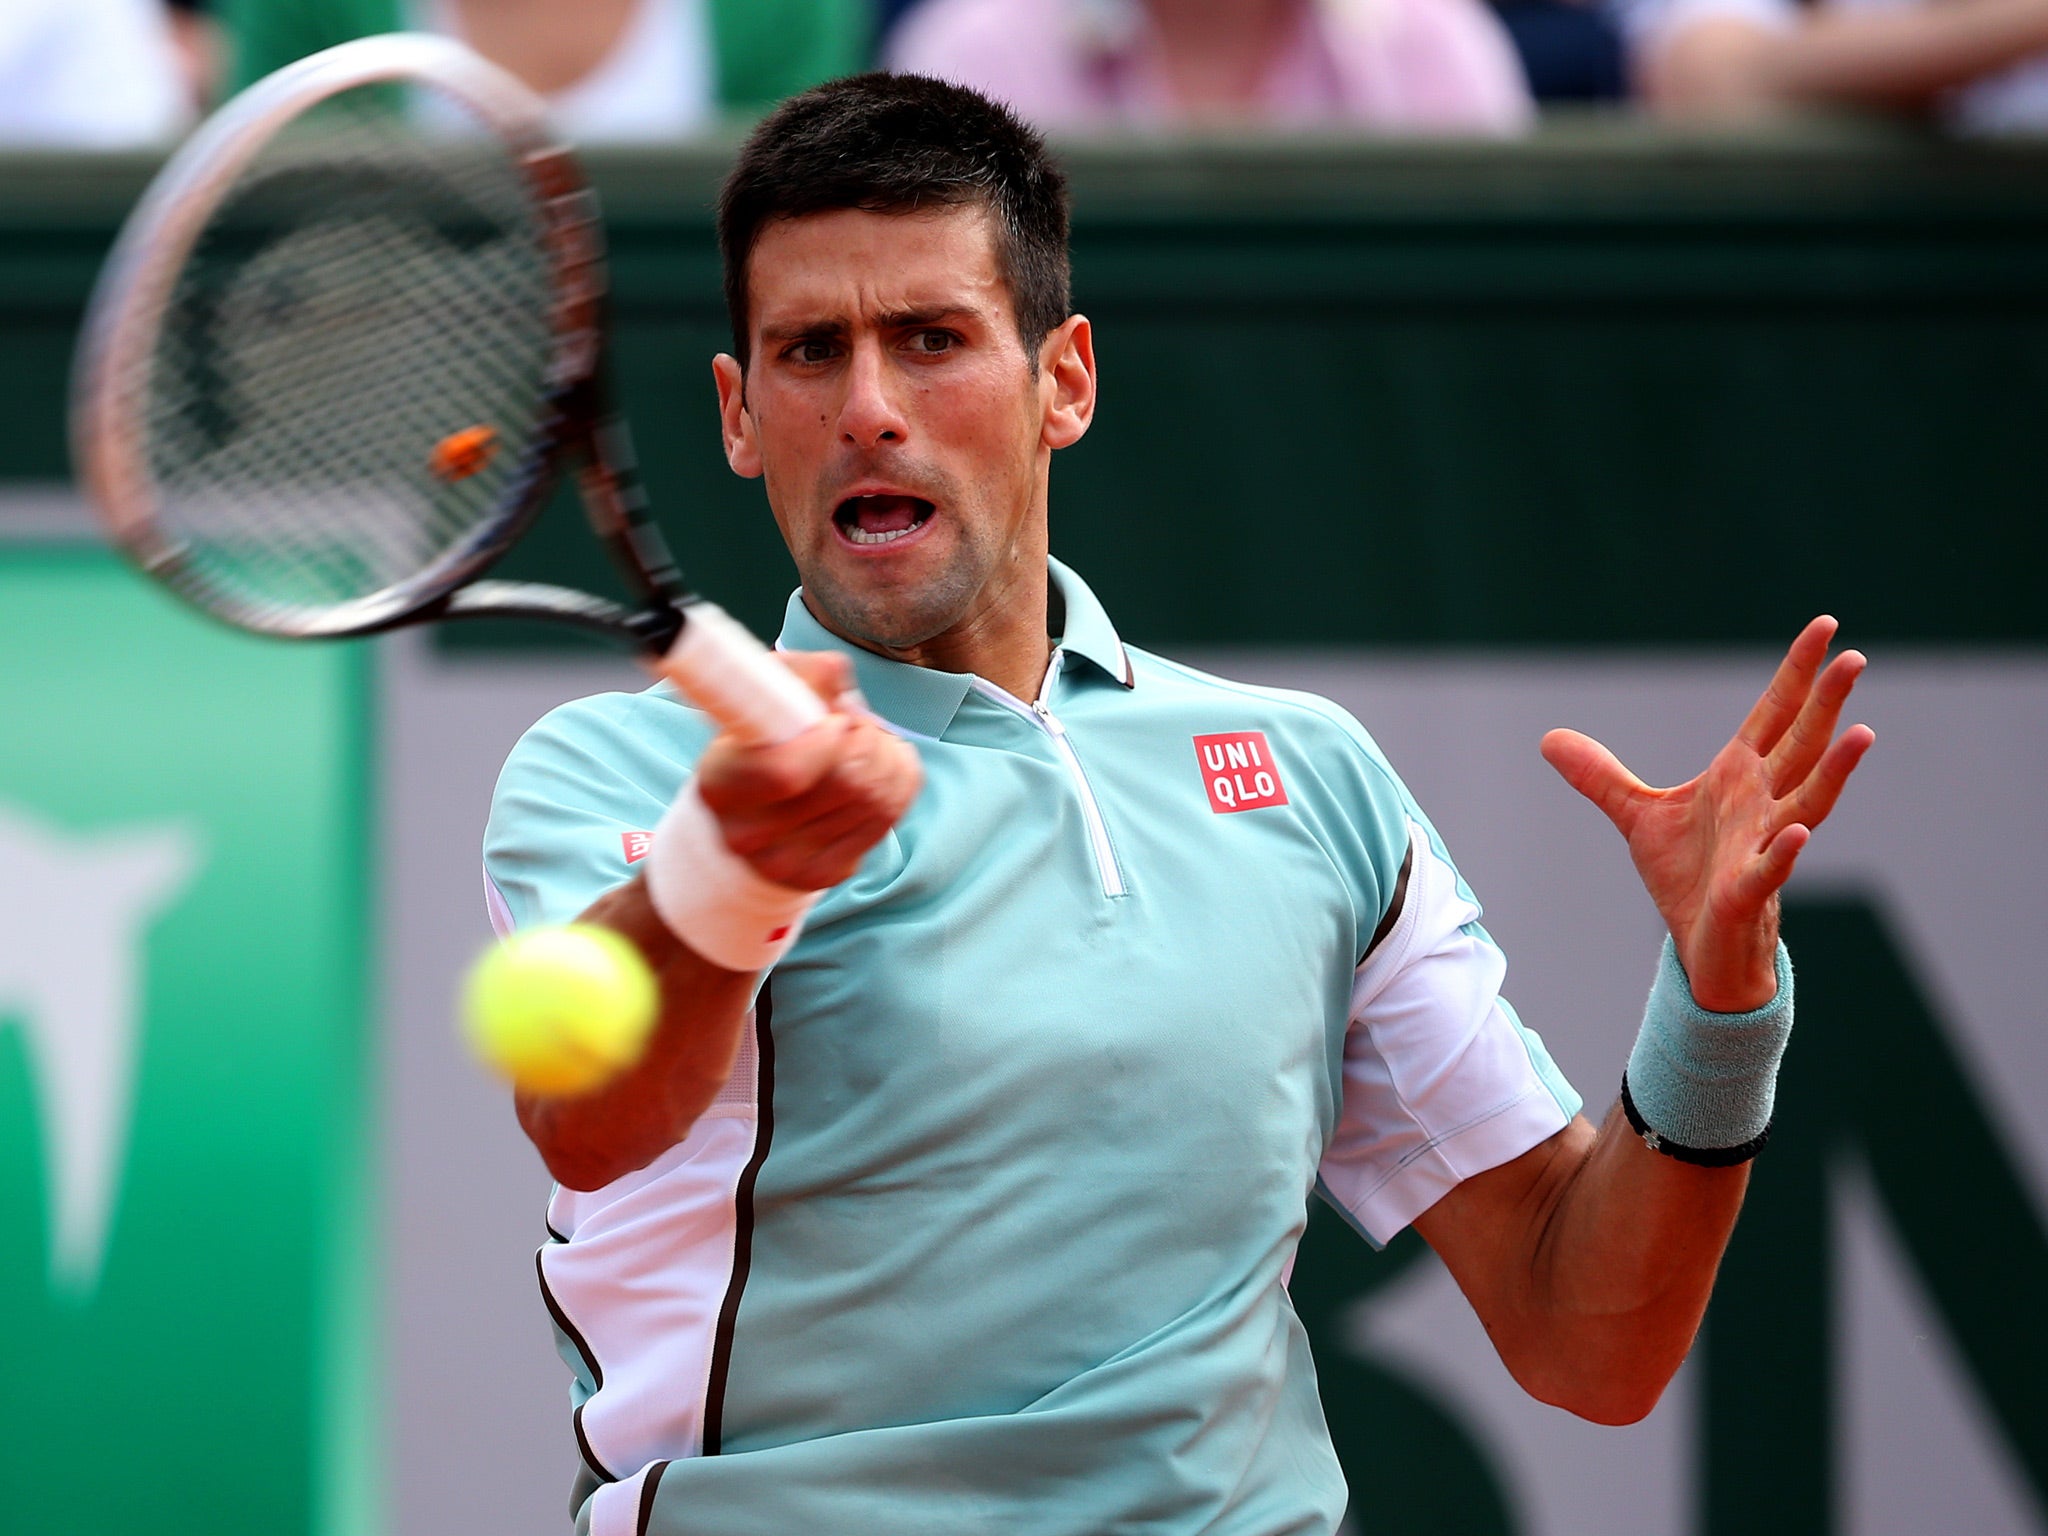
<point>903,433</point>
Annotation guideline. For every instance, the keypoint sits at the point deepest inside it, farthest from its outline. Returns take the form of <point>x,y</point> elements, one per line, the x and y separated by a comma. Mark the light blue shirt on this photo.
<point>990,1229</point>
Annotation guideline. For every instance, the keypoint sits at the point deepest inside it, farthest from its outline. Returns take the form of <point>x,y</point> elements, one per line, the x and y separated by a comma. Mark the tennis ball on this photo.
<point>560,1010</point>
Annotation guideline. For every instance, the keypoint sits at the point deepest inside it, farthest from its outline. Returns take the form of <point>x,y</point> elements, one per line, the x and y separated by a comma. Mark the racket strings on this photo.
<point>369,292</point>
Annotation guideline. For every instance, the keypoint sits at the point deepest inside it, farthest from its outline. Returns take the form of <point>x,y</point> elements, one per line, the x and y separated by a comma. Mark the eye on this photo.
<point>933,342</point>
<point>809,350</point>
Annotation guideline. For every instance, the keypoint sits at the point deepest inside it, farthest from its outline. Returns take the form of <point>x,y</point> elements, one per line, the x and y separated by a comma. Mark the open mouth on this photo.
<point>871,520</point>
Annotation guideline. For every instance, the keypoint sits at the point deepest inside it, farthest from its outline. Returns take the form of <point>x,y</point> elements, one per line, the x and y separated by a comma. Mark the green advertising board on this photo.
<point>182,1065</point>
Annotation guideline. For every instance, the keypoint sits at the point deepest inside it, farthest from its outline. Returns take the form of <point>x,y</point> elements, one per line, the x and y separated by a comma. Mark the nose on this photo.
<point>870,415</point>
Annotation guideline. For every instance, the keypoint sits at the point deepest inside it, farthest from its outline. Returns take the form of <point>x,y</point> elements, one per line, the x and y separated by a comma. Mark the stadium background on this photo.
<point>1477,440</point>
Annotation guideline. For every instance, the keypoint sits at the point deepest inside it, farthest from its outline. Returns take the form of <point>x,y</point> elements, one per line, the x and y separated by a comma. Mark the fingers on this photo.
<point>1816,797</point>
<point>1769,870</point>
<point>1802,745</point>
<point>1597,774</point>
<point>1782,701</point>
<point>876,782</point>
<point>803,813</point>
<point>824,851</point>
<point>735,779</point>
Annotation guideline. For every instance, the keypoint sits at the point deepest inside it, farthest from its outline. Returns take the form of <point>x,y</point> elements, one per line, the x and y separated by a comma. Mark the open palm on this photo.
<point>1714,851</point>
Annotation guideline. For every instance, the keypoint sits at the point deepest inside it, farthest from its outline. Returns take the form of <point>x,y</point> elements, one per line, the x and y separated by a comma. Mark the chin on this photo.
<point>889,615</point>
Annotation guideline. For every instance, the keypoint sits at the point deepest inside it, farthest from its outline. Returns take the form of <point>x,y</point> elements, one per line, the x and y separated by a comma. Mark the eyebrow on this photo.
<point>892,320</point>
<point>906,319</point>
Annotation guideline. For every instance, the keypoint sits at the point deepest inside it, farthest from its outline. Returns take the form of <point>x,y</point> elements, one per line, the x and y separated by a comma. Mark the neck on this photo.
<point>1005,642</point>
<point>1003,638</point>
<point>1217,53</point>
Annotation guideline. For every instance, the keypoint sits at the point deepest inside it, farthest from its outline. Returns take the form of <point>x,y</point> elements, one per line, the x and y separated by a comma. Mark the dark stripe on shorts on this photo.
<point>647,1495</point>
<point>569,1329</point>
<point>743,1220</point>
<point>589,1359</point>
<point>583,1444</point>
<point>1393,907</point>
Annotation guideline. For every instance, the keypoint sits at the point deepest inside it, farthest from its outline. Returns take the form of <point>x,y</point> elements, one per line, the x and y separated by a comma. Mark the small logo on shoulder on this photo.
<point>636,845</point>
<point>1239,772</point>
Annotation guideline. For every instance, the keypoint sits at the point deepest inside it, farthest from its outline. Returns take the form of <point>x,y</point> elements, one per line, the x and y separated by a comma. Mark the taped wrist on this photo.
<point>1701,1086</point>
<point>711,898</point>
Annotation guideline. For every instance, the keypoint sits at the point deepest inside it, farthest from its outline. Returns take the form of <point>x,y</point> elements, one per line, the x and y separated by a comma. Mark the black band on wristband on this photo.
<point>1703,1157</point>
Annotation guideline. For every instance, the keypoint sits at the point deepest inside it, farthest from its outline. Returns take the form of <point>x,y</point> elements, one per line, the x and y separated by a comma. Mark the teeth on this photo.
<point>860,536</point>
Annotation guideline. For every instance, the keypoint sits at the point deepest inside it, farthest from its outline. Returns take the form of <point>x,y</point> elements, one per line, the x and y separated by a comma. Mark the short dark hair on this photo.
<point>895,144</point>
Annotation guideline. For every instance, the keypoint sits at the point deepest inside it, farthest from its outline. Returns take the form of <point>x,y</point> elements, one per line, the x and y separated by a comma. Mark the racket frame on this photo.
<point>124,321</point>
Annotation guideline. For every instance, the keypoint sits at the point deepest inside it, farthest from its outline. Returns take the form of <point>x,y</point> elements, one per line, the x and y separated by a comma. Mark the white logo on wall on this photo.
<point>74,911</point>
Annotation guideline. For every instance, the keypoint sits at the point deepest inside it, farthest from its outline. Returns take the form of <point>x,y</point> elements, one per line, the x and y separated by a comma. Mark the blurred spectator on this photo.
<point>196,41</point>
<point>612,69</point>
<point>1571,49</point>
<point>888,13</point>
<point>92,74</point>
<point>1431,65</point>
<point>1981,64</point>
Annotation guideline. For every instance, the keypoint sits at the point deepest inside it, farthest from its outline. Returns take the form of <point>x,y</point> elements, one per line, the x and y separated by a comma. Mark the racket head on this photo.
<point>343,341</point>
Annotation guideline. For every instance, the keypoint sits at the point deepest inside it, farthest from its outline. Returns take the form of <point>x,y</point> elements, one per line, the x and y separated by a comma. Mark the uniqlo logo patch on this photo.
<point>636,845</point>
<point>1239,772</point>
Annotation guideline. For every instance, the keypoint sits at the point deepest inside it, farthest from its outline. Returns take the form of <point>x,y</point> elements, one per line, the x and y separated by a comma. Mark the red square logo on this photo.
<point>636,845</point>
<point>1239,772</point>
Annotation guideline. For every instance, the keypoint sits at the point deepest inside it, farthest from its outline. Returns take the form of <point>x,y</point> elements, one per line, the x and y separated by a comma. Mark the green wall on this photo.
<point>1603,386</point>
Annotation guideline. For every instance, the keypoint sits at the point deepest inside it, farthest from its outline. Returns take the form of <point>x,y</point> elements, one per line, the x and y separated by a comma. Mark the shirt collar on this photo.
<point>924,699</point>
<point>1089,632</point>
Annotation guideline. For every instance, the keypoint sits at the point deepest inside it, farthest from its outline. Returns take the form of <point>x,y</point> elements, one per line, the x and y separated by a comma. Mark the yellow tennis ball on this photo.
<point>560,1010</point>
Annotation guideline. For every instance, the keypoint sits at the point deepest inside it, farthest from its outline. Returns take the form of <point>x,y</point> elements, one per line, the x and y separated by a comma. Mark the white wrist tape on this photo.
<point>711,898</point>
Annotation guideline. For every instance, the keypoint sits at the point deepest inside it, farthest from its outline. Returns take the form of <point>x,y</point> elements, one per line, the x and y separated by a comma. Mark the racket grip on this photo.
<point>721,668</point>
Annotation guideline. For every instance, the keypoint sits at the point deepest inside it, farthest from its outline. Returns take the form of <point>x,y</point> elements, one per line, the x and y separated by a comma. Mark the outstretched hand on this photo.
<point>1714,852</point>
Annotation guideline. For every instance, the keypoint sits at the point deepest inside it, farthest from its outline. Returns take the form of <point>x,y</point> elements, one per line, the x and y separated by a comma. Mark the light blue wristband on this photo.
<point>1701,1086</point>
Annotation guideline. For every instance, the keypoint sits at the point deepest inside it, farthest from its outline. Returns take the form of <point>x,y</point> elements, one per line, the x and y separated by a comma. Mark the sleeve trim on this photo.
<point>1434,1170</point>
<point>1394,907</point>
<point>499,909</point>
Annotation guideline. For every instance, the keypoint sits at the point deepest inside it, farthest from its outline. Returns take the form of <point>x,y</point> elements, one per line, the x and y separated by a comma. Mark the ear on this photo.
<point>1066,382</point>
<point>736,423</point>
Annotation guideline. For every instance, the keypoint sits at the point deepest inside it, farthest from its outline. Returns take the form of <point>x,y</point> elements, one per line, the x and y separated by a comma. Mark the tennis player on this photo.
<point>1013,1014</point>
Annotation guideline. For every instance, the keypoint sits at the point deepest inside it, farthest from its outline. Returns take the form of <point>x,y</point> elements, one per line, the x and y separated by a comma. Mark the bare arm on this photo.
<point>592,1138</point>
<point>1731,67</point>
<point>1590,1257</point>
<point>803,813</point>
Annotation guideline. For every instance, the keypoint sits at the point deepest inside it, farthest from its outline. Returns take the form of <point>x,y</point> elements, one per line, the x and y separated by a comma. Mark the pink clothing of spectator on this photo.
<point>1443,66</point>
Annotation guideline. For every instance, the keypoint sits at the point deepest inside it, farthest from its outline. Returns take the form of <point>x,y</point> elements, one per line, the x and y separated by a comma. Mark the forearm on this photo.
<point>590,1139</point>
<point>1591,1257</point>
<point>1622,1266</point>
<point>1885,58</point>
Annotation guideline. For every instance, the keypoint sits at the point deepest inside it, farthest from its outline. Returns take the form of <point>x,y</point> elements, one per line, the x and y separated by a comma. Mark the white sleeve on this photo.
<point>1441,1080</point>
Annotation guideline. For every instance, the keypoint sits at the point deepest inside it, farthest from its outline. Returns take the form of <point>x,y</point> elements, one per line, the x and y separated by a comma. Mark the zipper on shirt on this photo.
<point>1040,714</point>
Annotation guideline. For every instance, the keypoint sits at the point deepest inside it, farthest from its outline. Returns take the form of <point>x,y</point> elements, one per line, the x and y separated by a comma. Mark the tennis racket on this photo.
<point>343,351</point>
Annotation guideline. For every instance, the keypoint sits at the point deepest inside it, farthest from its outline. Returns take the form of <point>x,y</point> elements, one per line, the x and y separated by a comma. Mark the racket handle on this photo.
<point>723,670</point>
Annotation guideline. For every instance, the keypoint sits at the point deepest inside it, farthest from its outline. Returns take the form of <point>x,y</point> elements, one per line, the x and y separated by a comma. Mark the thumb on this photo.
<point>1597,774</point>
<point>830,673</point>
